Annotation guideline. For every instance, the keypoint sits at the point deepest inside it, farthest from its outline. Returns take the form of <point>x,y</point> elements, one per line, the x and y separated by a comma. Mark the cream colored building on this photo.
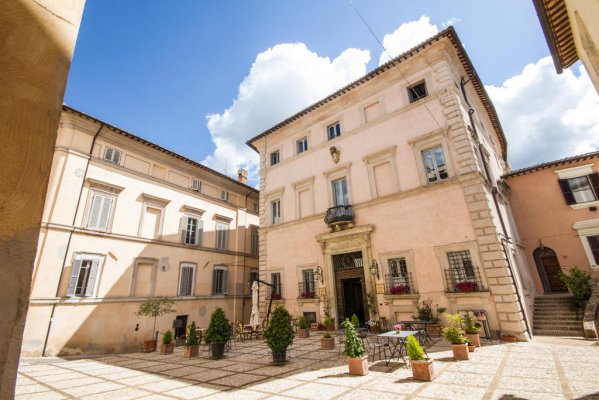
<point>572,33</point>
<point>404,165</point>
<point>126,219</point>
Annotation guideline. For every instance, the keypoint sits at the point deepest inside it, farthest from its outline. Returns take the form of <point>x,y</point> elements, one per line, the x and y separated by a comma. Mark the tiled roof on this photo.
<point>548,164</point>
<point>157,147</point>
<point>448,33</point>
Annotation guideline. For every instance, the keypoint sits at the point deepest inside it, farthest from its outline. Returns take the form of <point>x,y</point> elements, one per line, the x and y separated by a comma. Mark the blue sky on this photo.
<point>159,68</point>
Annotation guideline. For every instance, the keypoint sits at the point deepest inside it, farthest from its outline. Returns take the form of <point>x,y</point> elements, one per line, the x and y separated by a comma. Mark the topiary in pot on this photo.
<point>422,367</point>
<point>192,341</point>
<point>329,323</point>
<point>303,331</point>
<point>472,329</point>
<point>354,350</point>
<point>279,335</point>
<point>218,332</point>
<point>455,335</point>
<point>167,345</point>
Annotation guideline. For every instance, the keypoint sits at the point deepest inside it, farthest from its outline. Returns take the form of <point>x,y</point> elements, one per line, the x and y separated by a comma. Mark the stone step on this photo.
<point>554,333</point>
<point>575,326</point>
<point>557,321</point>
<point>546,314</point>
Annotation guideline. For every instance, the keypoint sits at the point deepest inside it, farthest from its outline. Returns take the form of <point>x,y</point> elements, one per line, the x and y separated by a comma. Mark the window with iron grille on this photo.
<point>308,287</point>
<point>460,265</point>
<point>398,267</point>
<point>219,280</point>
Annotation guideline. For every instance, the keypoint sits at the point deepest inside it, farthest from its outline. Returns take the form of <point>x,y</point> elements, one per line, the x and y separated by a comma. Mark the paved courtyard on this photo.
<point>542,369</point>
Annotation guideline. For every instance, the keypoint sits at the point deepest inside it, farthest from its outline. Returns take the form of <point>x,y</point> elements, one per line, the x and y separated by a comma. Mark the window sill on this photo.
<point>301,300</point>
<point>588,204</point>
<point>455,297</point>
<point>402,296</point>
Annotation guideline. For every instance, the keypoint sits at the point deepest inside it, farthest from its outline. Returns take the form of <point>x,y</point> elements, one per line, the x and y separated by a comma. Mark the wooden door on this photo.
<point>549,269</point>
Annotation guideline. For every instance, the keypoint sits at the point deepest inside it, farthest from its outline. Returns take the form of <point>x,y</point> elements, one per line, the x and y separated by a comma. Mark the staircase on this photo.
<point>557,315</point>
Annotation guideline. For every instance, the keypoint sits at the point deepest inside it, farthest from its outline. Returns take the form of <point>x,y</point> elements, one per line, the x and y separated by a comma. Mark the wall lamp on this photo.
<point>374,269</point>
<point>318,273</point>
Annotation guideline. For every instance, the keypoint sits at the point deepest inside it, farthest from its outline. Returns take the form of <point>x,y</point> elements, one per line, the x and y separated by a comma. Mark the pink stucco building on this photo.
<point>404,166</point>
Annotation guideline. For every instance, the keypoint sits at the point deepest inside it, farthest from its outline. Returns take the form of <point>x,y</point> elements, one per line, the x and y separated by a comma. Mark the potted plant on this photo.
<point>354,350</point>
<point>192,341</point>
<point>167,345</point>
<point>424,312</point>
<point>472,329</point>
<point>578,283</point>
<point>327,342</point>
<point>303,331</point>
<point>471,346</point>
<point>455,335</point>
<point>279,335</point>
<point>218,333</point>
<point>399,289</point>
<point>422,367</point>
<point>329,323</point>
<point>154,307</point>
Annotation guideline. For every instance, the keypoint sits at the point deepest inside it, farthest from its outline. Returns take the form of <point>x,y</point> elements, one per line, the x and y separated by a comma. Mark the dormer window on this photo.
<point>112,155</point>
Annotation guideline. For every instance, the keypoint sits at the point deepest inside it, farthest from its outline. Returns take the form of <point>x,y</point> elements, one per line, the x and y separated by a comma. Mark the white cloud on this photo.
<point>408,35</point>
<point>283,80</point>
<point>546,116</point>
<point>450,21</point>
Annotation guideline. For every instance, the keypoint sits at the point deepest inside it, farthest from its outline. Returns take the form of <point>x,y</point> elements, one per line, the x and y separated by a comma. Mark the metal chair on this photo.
<point>378,345</point>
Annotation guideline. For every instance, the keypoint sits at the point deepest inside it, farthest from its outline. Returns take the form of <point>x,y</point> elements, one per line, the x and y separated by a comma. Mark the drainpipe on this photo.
<point>494,191</point>
<point>64,259</point>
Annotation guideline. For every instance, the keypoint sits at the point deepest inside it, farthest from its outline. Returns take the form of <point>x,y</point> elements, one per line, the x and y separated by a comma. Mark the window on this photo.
<point>186,279</point>
<point>334,130</point>
<point>112,155</point>
<point>224,195</point>
<point>254,276</point>
<point>417,91</point>
<point>255,242</point>
<point>275,211</point>
<point>460,265</point>
<point>275,280</point>
<point>434,164</point>
<point>275,157</point>
<point>99,214</point>
<point>302,145</point>
<point>196,185</point>
<point>83,277</point>
<point>308,289</point>
<point>594,246</point>
<point>398,267</point>
<point>219,280</point>
<point>340,197</point>
<point>255,206</point>
<point>191,230</point>
<point>222,235</point>
<point>150,226</point>
<point>581,189</point>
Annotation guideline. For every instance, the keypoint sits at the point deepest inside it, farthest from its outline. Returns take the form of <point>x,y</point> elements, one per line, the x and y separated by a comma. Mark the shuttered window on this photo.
<point>83,277</point>
<point>581,189</point>
<point>191,230</point>
<point>222,233</point>
<point>99,214</point>
<point>220,280</point>
<point>186,279</point>
<point>112,155</point>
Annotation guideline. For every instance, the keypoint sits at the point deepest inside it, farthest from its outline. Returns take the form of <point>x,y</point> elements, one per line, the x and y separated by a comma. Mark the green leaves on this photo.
<point>578,282</point>
<point>414,350</point>
<point>192,338</point>
<point>219,330</point>
<point>354,348</point>
<point>167,338</point>
<point>156,306</point>
<point>279,334</point>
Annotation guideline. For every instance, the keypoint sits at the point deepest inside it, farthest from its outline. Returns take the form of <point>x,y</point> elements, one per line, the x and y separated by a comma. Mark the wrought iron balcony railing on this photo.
<point>307,290</point>
<point>399,284</point>
<point>340,217</point>
<point>275,293</point>
<point>463,280</point>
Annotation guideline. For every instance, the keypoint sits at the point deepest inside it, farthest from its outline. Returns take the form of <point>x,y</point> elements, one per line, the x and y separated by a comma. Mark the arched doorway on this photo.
<point>549,268</point>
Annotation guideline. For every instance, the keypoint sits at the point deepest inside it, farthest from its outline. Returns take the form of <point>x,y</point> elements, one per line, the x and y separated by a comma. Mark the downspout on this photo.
<point>66,252</point>
<point>494,191</point>
<point>244,252</point>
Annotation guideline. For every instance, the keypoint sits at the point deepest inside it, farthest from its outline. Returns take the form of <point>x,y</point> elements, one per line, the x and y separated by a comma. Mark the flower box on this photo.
<point>465,287</point>
<point>401,289</point>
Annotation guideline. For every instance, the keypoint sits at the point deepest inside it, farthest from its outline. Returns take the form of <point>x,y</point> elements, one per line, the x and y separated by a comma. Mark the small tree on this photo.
<point>454,334</point>
<point>471,327</point>
<point>167,338</point>
<point>353,344</point>
<point>156,307</point>
<point>414,350</point>
<point>355,321</point>
<point>578,282</point>
<point>219,330</point>
<point>192,338</point>
<point>303,324</point>
<point>279,334</point>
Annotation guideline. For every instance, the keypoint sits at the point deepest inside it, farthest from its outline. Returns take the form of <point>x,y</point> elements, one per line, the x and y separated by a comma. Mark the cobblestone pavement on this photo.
<point>541,369</point>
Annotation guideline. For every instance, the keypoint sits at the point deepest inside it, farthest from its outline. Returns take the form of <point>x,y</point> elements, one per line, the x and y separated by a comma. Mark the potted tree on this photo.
<point>329,324</point>
<point>354,350</point>
<point>472,329</point>
<point>422,367</point>
<point>455,335</point>
<point>424,312</point>
<point>303,331</point>
<point>471,346</point>
<point>218,333</point>
<point>279,335</point>
<point>327,342</point>
<point>192,341</point>
<point>167,345</point>
<point>154,307</point>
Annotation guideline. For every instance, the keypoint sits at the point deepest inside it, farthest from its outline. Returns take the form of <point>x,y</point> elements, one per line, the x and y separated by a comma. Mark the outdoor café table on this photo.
<point>397,342</point>
<point>420,326</point>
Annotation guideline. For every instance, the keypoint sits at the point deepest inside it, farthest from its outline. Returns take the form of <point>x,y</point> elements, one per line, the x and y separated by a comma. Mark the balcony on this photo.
<point>339,218</point>
<point>463,280</point>
<point>399,284</point>
<point>306,290</point>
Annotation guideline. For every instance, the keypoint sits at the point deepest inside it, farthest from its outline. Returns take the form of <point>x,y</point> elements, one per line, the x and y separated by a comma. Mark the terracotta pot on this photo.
<point>167,348</point>
<point>471,348</point>
<point>474,338</point>
<point>422,370</point>
<point>327,343</point>
<point>358,366</point>
<point>303,333</point>
<point>433,330</point>
<point>508,338</point>
<point>148,346</point>
<point>460,351</point>
<point>191,351</point>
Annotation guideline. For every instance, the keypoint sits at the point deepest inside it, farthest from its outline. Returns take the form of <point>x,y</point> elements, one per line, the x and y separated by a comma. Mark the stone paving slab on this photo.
<point>545,368</point>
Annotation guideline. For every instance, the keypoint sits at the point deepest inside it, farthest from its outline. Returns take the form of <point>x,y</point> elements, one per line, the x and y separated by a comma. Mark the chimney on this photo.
<point>242,176</point>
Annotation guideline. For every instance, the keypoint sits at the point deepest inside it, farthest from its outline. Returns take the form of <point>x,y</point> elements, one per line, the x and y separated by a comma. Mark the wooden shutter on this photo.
<point>91,280</point>
<point>199,231</point>
<point>214,280</point>
<point>568,195</point>
<point>116,158</point>
<point>108,154</point>
<point>74,278</point>
<point>225,281</point>
<point>94,213</point>
<point>184,288</point>
<point>594,179</point>
<point>183,228</point>
<point>104,213</point>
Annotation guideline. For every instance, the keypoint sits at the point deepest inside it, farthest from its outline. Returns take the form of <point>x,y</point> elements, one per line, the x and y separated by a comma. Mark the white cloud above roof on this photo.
<point>546,116</point>
<point>408,35</point>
